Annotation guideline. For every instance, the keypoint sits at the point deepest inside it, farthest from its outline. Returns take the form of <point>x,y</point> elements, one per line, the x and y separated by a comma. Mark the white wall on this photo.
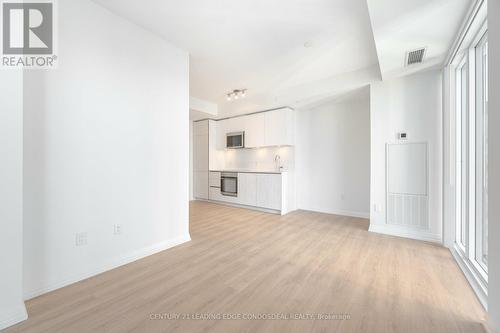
<point>12,308</point>
<point>106,142</point>
<point>494,165</point>
<point>191,180</point>
<point>333,157</point>
<point>412,104</point>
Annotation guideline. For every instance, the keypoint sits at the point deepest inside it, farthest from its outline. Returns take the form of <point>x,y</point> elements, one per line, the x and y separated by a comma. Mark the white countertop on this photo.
<point>250,171</point>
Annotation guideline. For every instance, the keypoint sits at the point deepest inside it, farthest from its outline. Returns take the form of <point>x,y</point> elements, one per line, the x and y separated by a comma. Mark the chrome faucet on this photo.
<point>277,161</point>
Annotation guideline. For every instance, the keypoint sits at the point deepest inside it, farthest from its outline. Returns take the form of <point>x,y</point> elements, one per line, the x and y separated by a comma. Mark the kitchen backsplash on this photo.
<point>259,159</point>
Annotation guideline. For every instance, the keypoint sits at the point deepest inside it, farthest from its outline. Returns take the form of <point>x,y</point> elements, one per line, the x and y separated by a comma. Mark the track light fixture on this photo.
<point>235,94</point>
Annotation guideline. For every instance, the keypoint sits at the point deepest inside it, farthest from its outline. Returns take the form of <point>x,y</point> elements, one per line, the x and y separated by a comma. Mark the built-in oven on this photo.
<point>229,184</point>
<point>235,140</point>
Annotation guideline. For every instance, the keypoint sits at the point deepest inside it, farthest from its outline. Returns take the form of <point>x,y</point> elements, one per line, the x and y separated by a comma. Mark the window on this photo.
<point>471,106</point>
<point>466,98</point>
<point>462,109</point>
<point>481,158</point>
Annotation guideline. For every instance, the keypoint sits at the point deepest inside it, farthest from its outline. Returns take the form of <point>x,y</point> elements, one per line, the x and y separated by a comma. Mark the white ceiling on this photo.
<point>405,25</point>
<point>259,44</point>
<point>294,52</point>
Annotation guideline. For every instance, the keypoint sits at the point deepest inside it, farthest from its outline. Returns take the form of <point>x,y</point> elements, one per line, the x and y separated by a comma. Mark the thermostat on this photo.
<point>402,136</point>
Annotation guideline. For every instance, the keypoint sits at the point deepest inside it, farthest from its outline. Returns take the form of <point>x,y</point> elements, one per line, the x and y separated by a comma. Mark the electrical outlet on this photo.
<point>117,229</point>
<point>81,239</point>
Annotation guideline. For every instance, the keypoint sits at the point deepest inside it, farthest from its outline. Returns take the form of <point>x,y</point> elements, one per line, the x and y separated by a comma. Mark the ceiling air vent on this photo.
<point>415,56</point>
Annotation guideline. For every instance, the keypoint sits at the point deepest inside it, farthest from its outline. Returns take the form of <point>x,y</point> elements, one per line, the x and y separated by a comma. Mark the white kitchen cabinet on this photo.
<point>264,129</point>
<point>247,189</point>
<point>214,179</point>
<point>200,152</point>
<point>216,195</point>
<point>275,130</point>
<point>255,132</point>
<point>200,145</point>
<point>200,127</point>
<point>236,124</point>
<point>259,190</point>
<point>215,159</point>
<point>225,126</point>
<point>268,188</point>
<point>279,127</point>
<point>200,180</point>
<point>200,159</point>
<point>220,135</point>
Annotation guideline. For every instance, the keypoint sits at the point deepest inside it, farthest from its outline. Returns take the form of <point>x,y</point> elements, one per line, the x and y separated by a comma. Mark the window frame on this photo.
<point>481,110</point>
<point>468,251</point>
<point>460,162</point>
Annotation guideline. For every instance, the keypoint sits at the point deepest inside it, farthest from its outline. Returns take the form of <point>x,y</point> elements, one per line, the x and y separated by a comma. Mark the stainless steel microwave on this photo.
<point>235,140</point>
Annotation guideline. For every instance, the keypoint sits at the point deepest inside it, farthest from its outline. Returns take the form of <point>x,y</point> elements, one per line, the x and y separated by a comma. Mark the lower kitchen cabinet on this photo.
<point>216,195</point>
<point>269,191</point>
<point>247,189</point>
<point>214,179</point>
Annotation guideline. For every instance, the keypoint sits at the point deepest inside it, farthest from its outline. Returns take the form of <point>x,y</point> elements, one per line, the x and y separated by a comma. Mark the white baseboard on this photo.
<point>406,233</point>
<point>479,289</point>
<point>361,215</point>
<point>15,316</point>
<point>116,262</point>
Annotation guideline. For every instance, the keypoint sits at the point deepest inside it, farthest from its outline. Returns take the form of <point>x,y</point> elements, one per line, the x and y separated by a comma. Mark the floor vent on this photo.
<point>415,57</point>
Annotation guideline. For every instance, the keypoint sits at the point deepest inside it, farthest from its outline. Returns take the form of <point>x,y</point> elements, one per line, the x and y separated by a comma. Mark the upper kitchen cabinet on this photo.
<point>220,134</point>
<point>226,126</point>
<point>255,132</point>
<point>235,125</point>
<point>279,128</point>
<point>263,129</point>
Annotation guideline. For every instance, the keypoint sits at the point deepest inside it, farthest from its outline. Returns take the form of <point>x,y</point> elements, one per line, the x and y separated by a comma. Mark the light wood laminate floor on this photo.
<point>246,262</point>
